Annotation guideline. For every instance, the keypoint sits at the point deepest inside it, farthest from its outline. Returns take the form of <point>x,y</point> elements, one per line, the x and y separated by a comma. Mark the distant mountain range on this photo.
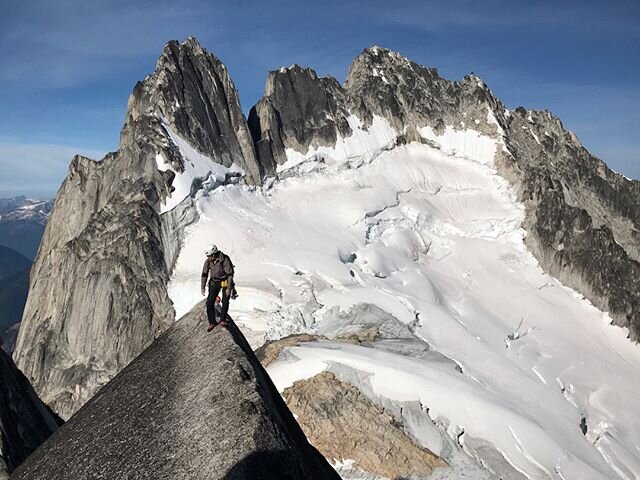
<point>22,222</point>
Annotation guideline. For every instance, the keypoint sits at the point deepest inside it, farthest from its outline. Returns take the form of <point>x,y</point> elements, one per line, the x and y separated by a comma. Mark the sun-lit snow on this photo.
<point>430,233</point>
<point>470,144</point>
<point>380,73</point>
<point>196,166</point>
<point>359,146</point>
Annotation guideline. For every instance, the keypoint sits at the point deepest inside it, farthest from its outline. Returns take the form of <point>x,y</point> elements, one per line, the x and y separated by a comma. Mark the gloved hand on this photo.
<point>228,291</point>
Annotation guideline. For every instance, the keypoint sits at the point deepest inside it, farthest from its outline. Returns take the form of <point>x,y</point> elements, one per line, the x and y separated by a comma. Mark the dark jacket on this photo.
<point>217,269</point>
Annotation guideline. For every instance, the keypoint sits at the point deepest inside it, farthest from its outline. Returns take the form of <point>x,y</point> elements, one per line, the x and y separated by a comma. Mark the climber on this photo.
<point>218,270</point>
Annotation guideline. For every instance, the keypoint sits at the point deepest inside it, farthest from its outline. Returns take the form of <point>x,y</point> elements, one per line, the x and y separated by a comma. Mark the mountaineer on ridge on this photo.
<point>218,270</point>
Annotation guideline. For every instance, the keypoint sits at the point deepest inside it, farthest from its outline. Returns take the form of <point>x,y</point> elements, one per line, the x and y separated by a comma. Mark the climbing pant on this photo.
<point>215,288</point>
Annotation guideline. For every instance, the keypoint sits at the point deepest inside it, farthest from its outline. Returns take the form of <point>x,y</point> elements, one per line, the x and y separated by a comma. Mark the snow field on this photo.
<point>431,235</point>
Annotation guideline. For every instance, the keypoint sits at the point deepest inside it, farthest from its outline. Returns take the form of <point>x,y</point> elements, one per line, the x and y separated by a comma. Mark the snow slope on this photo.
<point>196,166</point>
<point>430,234</point>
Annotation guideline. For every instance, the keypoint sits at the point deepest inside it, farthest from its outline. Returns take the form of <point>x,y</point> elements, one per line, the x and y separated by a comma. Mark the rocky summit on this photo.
<point>582,219</point>
<point>98,292</point>
<point>194,405</point>
<point>25,422</point>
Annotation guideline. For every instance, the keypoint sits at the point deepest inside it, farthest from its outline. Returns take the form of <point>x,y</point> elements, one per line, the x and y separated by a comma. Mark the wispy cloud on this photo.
<point>36,169</point>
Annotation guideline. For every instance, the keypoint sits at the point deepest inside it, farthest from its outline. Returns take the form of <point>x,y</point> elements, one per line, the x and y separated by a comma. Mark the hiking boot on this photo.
<point>211,326</point>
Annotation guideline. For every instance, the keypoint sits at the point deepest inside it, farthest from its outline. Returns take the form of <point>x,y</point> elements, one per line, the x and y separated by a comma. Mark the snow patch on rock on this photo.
<point>360,145</point>
<point>197,166</point>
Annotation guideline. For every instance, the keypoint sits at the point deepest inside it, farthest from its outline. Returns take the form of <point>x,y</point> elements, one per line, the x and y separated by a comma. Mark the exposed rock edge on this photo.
<point>194,405</point>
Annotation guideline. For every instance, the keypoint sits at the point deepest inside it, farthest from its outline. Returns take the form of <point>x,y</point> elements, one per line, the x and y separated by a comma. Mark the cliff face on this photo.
<point>25,422</point>
<point>194,405</point>
<point>99,278</point>
<point>192,91</point>
<point>317,115</point>
<point>582,219</point>
<point>98,287</point>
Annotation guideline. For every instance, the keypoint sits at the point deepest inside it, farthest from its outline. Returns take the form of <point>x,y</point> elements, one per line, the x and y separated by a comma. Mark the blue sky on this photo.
<point>67,67</point>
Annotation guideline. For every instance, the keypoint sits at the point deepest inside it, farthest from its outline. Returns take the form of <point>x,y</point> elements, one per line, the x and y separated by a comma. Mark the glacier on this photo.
<point>429,233</point>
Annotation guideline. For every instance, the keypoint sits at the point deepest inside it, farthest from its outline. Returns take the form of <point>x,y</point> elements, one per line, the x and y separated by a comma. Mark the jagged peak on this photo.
<point>294,68</point>
<point>378,51</point>
<point>295,72</point>
<point>533,116</point>
<point>170,61</point>
<point>381,55</point>
<point>376,61</point>
<point>377,58</point>
<point>192,42</point>
<point>173,49</point>
<point>473,82</point>
<point>474,79</point>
